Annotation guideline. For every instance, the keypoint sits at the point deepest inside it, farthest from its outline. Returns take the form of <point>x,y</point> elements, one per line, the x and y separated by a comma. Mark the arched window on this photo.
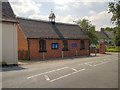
<point>82,45</point>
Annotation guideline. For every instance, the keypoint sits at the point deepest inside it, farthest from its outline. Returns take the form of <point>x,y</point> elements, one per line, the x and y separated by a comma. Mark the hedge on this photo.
<point>3,63</point>
<point>113,49</point>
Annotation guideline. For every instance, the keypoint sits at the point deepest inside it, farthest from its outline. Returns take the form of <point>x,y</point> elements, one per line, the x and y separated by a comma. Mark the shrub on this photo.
<point>3,63</point>
<point>113,49</point>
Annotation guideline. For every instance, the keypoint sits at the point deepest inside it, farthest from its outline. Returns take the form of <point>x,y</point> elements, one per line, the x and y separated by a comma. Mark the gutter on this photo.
<point>8,21</point>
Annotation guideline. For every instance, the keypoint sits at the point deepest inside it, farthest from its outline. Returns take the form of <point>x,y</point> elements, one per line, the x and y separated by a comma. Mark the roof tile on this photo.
<point>7,12</point>
<point>45,29</point>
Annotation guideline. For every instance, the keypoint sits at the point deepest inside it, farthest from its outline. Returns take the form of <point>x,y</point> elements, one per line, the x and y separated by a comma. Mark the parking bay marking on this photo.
<point>62,69</point>
<point>46,77</point>
<point>66,75</point>
<point>81,64</point>
<point>88,64</point>
<point>74,69</point>
<point>47,72</point>
<point>101,63</point>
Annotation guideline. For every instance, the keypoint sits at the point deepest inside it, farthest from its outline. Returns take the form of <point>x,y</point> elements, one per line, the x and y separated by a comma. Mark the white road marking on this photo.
<point>66,75</point>
<point>81,64</point>
<point>88,64</point>
<point>74,69</point>
<point>47,72</point>
<point>92,61</point>
<point>46,77</point>
<point>35,75</point>
<point>101,63</point>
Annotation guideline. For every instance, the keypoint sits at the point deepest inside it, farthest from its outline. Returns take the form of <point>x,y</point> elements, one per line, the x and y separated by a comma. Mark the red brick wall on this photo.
<point>22,45</point>
<point>57,53</point>
<point>34,49</point>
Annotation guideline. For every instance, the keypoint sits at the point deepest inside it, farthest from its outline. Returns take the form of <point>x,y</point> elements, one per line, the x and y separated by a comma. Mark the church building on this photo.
<point>38,39</point>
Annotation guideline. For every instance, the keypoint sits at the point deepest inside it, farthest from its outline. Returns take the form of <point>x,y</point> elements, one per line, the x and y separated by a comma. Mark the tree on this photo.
<point>109,29</point>
<point>89,29</point>
<point>117,37</point>
<point>114,8</point>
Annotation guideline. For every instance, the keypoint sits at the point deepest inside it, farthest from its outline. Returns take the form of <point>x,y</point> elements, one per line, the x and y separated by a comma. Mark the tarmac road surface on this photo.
<point>87,72</point>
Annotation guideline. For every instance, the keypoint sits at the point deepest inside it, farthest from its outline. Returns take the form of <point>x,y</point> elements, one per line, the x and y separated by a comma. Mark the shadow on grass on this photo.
<point>16,68</point>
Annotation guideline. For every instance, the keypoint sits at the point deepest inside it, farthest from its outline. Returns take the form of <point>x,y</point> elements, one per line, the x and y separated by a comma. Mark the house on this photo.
<point>38,39</point>
<point>8,32</point>
<point>106,36</point>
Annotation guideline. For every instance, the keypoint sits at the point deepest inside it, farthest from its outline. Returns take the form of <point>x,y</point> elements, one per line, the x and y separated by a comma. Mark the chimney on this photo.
<point>102,29</point>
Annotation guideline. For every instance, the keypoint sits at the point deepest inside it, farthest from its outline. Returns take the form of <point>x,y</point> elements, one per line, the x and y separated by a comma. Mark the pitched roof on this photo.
<point>7,12</point>
<point>102,35</point>
<point>110,34</point>
<point>44,29</point>
<point>106,35</point>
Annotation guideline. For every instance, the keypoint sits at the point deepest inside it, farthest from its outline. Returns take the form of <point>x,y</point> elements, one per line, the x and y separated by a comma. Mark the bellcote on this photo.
<point>52,17</point>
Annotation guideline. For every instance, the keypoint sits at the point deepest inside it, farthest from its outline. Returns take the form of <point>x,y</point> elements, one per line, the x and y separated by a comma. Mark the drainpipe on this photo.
<point>95,51</point>
<point>43,55</point>
<point>76,53</point>
<point>62,54</point>
<point>28,49</point>
<point>89,48</point>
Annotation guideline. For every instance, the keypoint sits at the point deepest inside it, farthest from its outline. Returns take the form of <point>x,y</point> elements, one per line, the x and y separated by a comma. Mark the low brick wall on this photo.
<point>23,55</point>
<point>92,50</point>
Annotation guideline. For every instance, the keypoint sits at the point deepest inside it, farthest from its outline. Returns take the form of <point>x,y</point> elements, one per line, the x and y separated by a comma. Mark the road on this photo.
<point>87,72</point>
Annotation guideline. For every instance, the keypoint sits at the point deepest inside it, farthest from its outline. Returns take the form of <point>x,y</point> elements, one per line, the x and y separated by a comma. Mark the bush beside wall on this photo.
<point>3,63</point>
<point>113,49</point>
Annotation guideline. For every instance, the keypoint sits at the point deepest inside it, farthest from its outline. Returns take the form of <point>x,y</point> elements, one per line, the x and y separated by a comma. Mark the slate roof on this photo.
<point>105,35</point>
<point>110,34</point>
<point>101,35</point>
<point>45,29</point>
<point>7,12</point>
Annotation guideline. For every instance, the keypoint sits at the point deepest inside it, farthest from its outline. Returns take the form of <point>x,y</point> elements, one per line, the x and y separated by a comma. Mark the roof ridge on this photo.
<point>106,34</point>
<point>31,19</point>
<point>45,21</point>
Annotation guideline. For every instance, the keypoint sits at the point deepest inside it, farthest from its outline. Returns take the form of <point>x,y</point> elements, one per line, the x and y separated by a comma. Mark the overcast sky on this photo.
<point>66,11</point>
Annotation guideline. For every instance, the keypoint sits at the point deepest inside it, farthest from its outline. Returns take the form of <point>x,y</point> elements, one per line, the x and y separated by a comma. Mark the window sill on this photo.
<point>65,50</point>
<point>82,49</point>
<point>54,48</point>
<point>40,51</point>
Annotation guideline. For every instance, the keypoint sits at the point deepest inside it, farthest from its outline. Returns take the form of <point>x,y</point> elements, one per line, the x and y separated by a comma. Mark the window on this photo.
<point>42,46</point>
<point>82,45</point>
<point>65,45</point>
<point>54,45</point>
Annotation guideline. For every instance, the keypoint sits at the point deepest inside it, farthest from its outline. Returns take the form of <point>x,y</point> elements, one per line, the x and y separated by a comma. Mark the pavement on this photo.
<point>99,71</point>
<point>28,62</point>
